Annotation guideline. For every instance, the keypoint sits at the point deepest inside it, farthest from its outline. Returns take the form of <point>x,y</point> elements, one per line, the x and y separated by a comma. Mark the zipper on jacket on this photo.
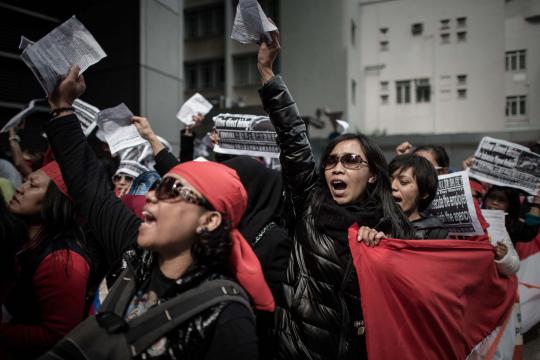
<point>344,327</point>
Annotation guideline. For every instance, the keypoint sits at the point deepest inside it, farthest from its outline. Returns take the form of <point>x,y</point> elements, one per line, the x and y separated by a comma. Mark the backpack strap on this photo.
<point>111,313</point>
<point>145,330</point>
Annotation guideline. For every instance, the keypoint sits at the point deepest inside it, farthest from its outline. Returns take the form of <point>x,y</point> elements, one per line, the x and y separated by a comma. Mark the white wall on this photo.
<point>162,65</point>
<point>314,57</point>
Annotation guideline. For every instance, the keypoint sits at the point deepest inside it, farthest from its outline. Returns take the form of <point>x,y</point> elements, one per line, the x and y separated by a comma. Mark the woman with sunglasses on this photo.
<point>188,237</point>
<point>322,316</point>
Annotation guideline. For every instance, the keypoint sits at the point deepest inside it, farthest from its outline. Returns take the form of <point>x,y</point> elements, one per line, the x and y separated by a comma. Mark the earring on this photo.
<point>371,180</point>
<point>199,230</point>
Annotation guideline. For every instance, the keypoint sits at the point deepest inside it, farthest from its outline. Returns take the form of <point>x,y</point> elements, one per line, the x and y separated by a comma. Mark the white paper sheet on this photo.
<point>87,115</point>
<point>251,23</point>
<point>343,126</point>
<point>117,128</point>
<point>51,56</point>
<point>497,226</point>
<point>195,105</point>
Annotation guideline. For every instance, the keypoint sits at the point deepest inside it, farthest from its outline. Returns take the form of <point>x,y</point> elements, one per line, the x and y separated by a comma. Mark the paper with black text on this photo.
<point>87,115</point>
<point>117,128</point>
<point>454,205</point>
<point>251,135</point>
<point>251,23</point>
<point>497,226</point>
<point>196,104</point>
<point>68,44</point>
<point>504,163</point>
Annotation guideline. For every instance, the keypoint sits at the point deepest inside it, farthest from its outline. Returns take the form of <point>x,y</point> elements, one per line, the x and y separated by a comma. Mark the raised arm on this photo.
<point>115,226</point>
<point>297,163</point>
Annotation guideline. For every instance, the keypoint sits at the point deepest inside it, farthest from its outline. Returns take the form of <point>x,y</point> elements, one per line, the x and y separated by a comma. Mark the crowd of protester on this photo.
<point>97,250</point>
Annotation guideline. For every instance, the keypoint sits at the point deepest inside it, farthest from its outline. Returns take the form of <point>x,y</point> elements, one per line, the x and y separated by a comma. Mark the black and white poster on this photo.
<point>504,163</point>
<point>454,205</point>
<point>251,135</point>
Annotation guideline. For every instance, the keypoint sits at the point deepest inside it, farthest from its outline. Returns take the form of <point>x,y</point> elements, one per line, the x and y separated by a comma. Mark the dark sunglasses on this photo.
<point>117,178</point>
<point>349,161</point>
<point>170,188</point>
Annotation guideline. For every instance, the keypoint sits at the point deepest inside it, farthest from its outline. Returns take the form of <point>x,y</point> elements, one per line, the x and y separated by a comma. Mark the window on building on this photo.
<point>462,79</point>
<point>462,94</point>
<point>516,105</point>
<point>403,92</point>
<point>384,99</point>
<point>445,24</point>
<point>353,91</point>
<point>383,30</point>
<point>384,85</point>
<point>462,36</point>
<point>423,90</point>
<point>516,60</point>
<point>417,29</point>
<point>245,70</point>
<point>208,74</point>
<point>204,21</point>
<point>383,45</point>
<point>445,38</point>
<point>461,22</point>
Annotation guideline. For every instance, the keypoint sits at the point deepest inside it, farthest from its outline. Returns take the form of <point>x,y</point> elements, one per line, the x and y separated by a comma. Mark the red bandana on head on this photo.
<point>52,170</point>
<point>221,186</point>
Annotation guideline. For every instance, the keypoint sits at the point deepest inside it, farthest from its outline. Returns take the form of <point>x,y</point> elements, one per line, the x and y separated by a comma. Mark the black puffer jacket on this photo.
<point>321,316</point>
<point>429,227</point>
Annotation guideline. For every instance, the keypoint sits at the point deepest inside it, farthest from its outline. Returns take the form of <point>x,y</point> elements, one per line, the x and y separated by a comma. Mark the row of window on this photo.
<point>461,36</point>
<point>211,74</point>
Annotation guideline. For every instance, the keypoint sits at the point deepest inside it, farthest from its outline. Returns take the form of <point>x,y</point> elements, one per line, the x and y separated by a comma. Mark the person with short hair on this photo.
<point>414,185</point>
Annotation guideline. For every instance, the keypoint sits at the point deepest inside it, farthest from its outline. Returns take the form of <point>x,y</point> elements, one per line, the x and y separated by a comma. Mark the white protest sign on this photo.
<point>454,205</point>
<point>87,115</point>
<point>117,128</point>
<point>50,57</point>
<point>251,23</point>
<point>196,104</point>
<point>251,135</point>
<point>497,226</point>
<point>504,163</point>
<point>20,116</point>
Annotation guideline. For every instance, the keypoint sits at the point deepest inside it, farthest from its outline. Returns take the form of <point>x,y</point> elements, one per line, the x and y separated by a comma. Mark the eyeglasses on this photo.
<point>170,188</point>
<point>117,178</point>
<point>349,161</point>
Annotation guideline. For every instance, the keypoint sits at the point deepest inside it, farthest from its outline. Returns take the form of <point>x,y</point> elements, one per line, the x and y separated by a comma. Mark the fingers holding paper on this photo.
<point>68,88</point>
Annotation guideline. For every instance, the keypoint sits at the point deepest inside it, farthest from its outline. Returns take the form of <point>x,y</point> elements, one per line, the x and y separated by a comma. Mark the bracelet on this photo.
<point>57,112</point>
<point>15,138</point>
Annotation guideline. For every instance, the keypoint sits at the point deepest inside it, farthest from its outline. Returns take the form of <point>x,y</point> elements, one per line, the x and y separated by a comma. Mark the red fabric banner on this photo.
<point>429,299</point>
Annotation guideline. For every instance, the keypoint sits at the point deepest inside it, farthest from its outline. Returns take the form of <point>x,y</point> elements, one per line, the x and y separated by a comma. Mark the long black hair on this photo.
<point>380,191</point>
<point>213,248</point>
<point>60,226</point>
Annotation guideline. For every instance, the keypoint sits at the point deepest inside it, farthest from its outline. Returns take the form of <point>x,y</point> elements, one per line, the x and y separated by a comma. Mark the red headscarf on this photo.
<point>221,186</point>
<point>52,170</point>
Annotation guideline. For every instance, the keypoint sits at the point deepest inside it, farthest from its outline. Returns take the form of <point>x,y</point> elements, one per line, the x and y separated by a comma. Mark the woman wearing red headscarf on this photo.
<point>187,238</point>
<point>47,299</point>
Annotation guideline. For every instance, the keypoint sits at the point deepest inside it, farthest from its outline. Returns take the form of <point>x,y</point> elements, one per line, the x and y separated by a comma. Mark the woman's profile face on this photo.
<point>169,226</point>
<point>405,191</point>
<point>347,185</point>
<point>496,200</point>
<point>28,198</point>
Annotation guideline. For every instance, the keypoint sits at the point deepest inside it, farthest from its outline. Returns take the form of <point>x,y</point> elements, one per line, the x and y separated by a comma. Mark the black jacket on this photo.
<point>226,331</point>
<point>429,227</point>
<point>321,313</point>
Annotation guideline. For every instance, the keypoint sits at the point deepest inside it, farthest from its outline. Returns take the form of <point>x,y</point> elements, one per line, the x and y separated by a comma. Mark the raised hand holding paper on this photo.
<point>196,104</point>
<point>251,23</point>
<point>51,56</point>
<point>117,128</point>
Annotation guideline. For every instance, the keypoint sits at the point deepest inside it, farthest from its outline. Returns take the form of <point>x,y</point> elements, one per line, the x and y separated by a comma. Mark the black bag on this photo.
<point>108,336</point>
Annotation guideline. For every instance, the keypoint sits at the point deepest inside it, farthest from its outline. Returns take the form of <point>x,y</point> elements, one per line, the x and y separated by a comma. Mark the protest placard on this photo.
<point>196,104</point>
<point>20,116</point>
<point>504,163</point>
<point>454,205</point>
<point>120,133</point>
<point>68,44</point>
<point>251,23</point>
<point>245,135</point>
